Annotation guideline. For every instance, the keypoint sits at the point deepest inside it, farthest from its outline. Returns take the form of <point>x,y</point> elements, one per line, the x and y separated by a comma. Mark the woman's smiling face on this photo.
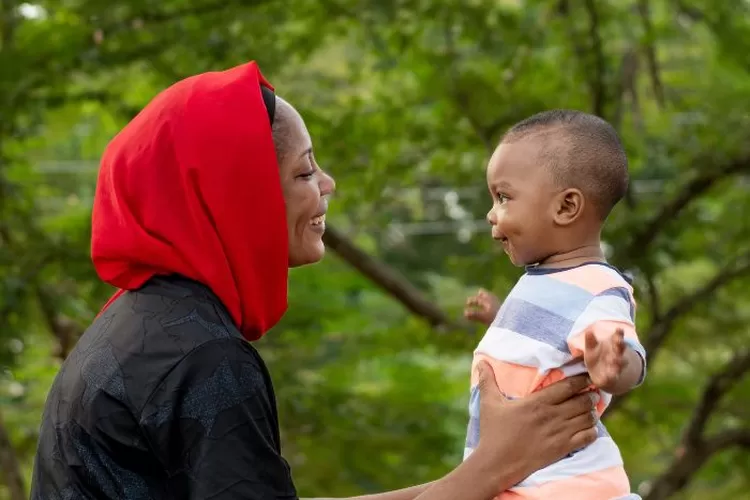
<point>305,185</point>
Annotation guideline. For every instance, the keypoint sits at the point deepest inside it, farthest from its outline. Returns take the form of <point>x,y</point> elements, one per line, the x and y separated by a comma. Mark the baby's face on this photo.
<point>522,191</point>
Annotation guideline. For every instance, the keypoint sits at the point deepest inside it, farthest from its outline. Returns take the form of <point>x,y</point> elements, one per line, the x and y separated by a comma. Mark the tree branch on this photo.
<point>692,13</point>
<point>597,82</point>
<point>133,52</point>
<point>8,23</point>
<point>462,100</point>
<point>653,297</point>
<point>156,17</point>
<point>661,326</point>
<point>626,85</point>
<point>387,278</point>
<point>727,439</point>
<point>718,385</point>
<point>653,61</point>
<point>696,448</point>
<point>10,467</point>
<point>710,175</point>
<point>656,335</point>
<point>63,328</point>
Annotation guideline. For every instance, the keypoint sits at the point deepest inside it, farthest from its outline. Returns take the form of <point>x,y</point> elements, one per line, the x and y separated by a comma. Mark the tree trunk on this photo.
<point>679,474</point>
<point>9,465</point>
<point>388,279</point>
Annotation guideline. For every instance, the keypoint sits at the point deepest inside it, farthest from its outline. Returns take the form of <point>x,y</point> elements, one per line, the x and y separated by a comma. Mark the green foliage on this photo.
<point>405,101</point>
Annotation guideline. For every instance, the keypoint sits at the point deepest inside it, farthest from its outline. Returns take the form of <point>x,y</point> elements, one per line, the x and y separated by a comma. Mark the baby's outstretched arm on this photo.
<point>613,366</point>
<point>604,335</point>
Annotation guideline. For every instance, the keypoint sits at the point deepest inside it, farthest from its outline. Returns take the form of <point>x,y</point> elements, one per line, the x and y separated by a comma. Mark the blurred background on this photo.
<point>405,101</point>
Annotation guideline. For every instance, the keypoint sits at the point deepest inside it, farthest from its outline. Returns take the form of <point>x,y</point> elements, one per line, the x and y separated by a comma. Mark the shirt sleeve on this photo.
<point>611,309</point>
<point>213,423</point>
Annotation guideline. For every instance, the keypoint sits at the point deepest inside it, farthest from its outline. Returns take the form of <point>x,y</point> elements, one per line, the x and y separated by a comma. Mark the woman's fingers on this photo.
<point>562,391</point>
<point>578,405</point>
<point>582,421</point>
<point>580,429</point>
<point>582,438</point>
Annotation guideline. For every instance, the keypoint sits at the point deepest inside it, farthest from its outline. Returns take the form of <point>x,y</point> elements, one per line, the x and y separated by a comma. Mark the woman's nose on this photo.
<point>327,184</point>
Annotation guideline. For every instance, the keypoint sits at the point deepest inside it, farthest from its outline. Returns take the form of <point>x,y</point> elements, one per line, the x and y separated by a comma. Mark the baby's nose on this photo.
<point>491,217</point>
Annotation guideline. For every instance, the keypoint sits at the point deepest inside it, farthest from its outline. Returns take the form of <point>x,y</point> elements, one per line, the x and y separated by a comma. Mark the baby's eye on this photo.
<point>501,197</point>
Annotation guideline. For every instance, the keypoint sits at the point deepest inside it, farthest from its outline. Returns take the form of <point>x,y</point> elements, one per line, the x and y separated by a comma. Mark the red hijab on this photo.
<point>191,186</point>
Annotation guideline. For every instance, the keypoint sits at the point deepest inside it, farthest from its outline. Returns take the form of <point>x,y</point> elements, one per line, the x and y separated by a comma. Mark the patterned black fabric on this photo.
<point>162,399</point>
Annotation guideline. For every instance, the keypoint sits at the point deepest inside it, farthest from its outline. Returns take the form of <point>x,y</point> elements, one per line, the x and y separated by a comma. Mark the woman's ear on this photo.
<point>568,206</point>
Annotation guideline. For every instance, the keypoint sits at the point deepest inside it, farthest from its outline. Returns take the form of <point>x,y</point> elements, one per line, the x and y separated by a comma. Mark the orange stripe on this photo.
<point>607,484</point>
<point>594,279</point>
<point>515,380</point>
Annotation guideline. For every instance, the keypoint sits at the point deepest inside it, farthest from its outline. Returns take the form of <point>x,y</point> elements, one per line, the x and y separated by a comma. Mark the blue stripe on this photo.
<point>624,294</point>
<point>552,294</point>
<point>535,322</point>
<point>638,348</point>
<point>472,432</point>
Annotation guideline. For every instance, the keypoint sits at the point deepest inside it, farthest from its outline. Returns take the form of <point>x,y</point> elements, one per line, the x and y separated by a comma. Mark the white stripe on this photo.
<point>573,369</point>
<point>601,454</point>
<point>506,345</point>
<point>603,308</point>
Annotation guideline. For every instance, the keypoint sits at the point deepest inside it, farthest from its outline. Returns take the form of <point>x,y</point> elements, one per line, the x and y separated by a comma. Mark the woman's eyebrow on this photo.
<point>306,152</point>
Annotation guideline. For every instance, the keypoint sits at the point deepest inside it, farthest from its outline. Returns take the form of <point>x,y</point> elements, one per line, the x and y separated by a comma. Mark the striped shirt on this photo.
<point>536,339</point>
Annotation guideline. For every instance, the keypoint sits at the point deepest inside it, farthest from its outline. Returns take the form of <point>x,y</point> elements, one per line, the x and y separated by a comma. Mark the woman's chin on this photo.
<point>310,253</point>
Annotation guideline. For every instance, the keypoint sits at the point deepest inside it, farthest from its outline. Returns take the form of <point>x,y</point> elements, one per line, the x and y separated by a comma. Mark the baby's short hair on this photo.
<point>582,151</point>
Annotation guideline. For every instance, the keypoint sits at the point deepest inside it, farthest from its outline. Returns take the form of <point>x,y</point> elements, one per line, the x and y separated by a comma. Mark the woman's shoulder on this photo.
<point>150,337</point>
<point>211,378</point>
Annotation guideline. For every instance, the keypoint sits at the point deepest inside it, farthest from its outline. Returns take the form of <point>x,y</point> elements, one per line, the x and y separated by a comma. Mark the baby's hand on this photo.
<point>482,307</point>
<point>605,361</point>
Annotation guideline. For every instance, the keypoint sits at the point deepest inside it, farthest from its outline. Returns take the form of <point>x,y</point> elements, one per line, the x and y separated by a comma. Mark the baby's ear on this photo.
<point>568,206</point>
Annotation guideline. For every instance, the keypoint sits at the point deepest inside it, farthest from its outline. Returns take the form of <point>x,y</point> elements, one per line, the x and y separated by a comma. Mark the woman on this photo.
<point>203,202</point>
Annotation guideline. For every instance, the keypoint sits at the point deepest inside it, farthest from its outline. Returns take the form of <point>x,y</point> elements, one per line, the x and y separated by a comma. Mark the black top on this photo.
<point>162,398</point>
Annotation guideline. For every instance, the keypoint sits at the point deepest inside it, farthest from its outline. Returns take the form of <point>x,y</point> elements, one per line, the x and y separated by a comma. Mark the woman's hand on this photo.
<point>522,436</point>
<point>516,439</point>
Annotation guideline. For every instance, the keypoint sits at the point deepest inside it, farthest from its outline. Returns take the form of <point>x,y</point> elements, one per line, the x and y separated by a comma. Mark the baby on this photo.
<point>554,179</point>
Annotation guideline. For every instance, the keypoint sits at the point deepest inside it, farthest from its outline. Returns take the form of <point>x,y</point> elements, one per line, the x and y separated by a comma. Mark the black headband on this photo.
<point>269,99</point>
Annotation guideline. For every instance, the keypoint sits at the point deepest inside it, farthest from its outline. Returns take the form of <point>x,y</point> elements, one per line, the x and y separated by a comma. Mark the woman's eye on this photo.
<point>313,169</point>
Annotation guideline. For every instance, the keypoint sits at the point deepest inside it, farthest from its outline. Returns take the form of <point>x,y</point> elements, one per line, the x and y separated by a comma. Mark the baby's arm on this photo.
<point>612,365</point>
<point>604,334</point>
